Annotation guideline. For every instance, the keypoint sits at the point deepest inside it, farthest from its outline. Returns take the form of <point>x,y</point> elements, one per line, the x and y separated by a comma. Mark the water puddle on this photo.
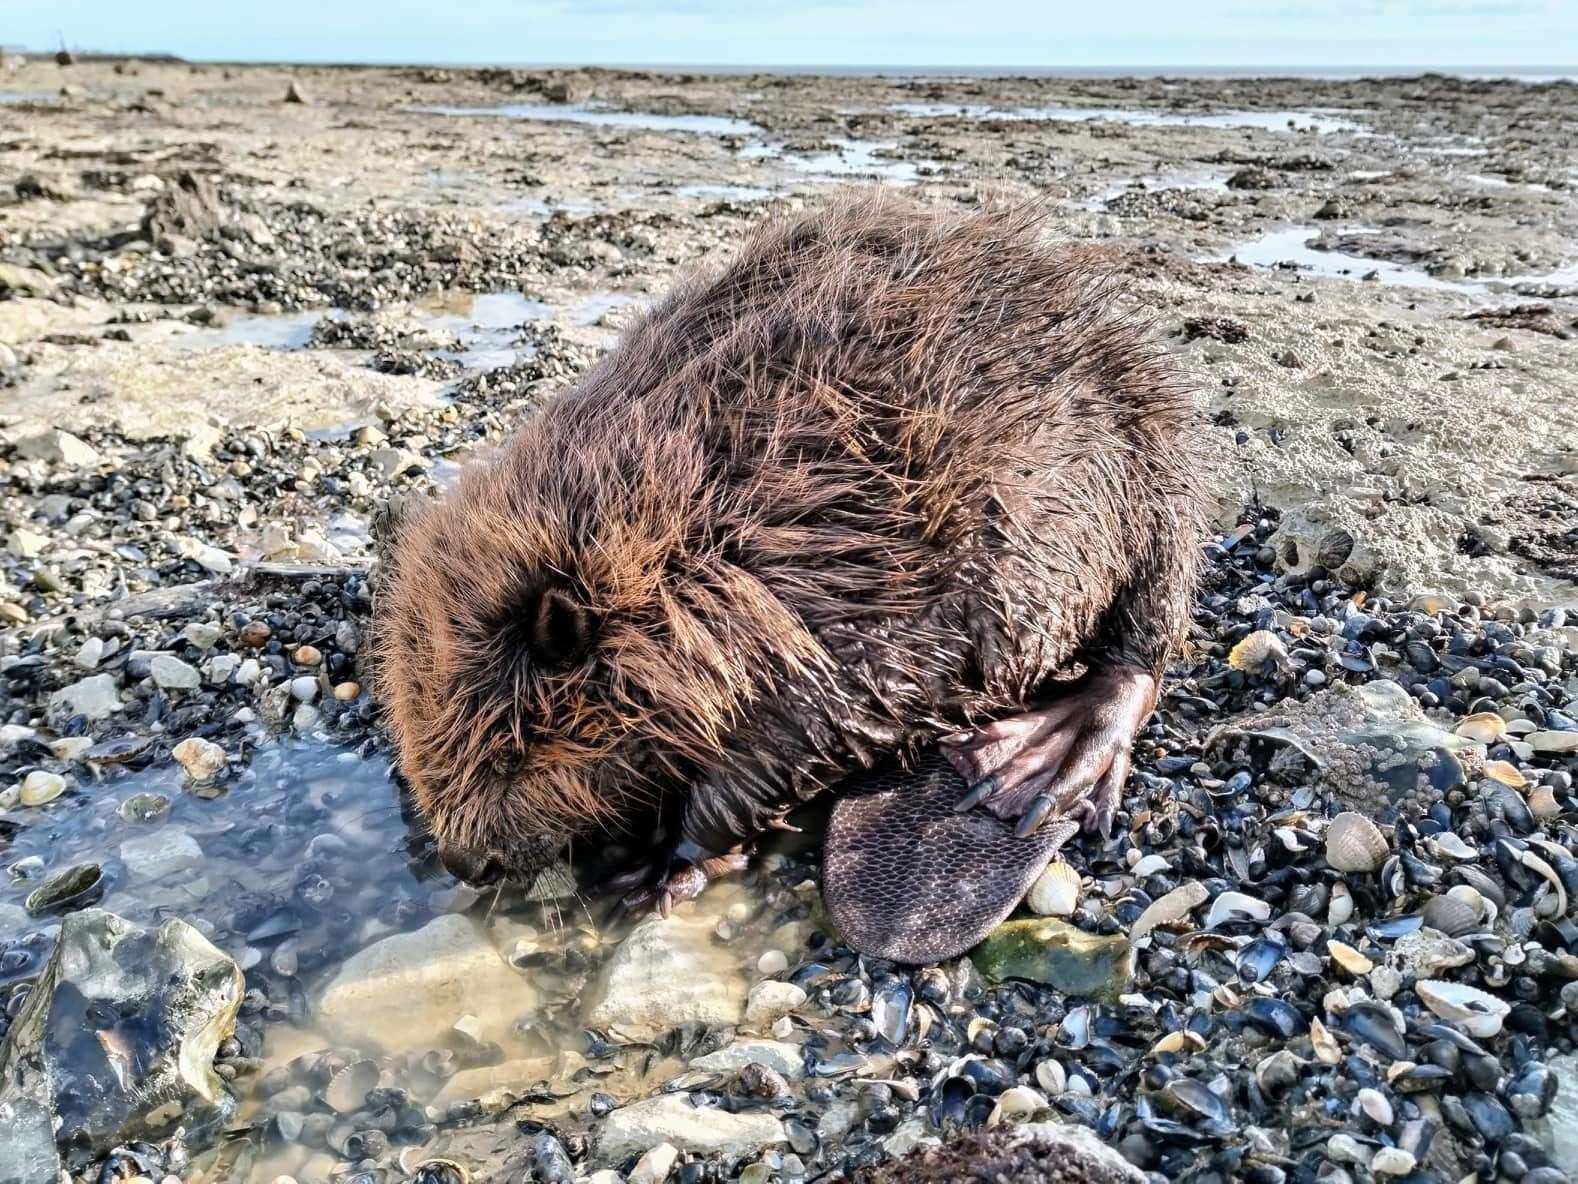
<point>285,331</point>
<point>715,125</point>
<point>848,158</point>
<point>744,193</point>
<point>1498,182</point>
<point>11,97</point>
<point>1320,122</point>
<point>295,868</point>
<point>1293,248</point>
<point>486,326</point>
<point>1204,182</point>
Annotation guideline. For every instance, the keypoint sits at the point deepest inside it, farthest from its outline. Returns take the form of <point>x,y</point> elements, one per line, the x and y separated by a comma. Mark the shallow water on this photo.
<point>8,97</point>
<point>1206,182</point>
<point>728,192</point>
<point>289,330</point>
<point>301,861</point>
<point>1320,122</point>
<point>1292,246</point>
<point>854,158</point>
<point>717,125</point>
<point>486,325</point>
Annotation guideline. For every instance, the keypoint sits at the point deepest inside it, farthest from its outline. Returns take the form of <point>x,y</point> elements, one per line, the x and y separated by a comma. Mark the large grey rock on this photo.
<point>1558,1130</point>
<point>58,446</point>
<point>670,1118</point>
<point>117,1041</point>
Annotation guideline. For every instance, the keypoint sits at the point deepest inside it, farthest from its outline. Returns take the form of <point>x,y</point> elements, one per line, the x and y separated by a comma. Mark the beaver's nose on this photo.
<point>470,867</point>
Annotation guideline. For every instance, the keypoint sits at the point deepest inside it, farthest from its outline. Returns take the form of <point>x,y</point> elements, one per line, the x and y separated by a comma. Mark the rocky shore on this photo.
<point>245,312</point>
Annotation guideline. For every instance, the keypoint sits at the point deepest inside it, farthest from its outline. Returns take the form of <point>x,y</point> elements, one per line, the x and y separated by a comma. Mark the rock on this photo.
<point>1369,746</point>
<point>94,697</point>
<point>169,673</point>
<point>407,991</point>
<point>1045,950</point>
<point>25,543</point>
<point>202,759</point>
<point>654,1167</point>
<point>160,853</point>
<point>1552,743</point>
<point>391,462</point>
<point>188,207</point>
<point>635,997</point>
<point>206,557</point>
<point>118,1038</point>
<point>90,653</point>
<point>1427,953</point>
<point>670,1118</point>
<point>778,1055</point>
<point>58,447</point>
<point>202,635</point>
<point>294,93</point>
<point>1558,1130</point>
<point>770,1000</point>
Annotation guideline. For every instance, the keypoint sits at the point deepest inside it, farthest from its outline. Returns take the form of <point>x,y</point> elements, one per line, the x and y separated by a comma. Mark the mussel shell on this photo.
<point>75,888</point>
<point>891,1001</point>
<point>1373,1023</point>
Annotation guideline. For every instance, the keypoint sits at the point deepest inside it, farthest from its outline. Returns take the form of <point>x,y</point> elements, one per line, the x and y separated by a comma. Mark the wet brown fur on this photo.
<point>886,472</point>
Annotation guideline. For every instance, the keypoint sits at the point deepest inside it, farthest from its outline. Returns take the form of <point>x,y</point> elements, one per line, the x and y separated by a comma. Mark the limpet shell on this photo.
<point>1051,1076</point>
<point>1354,843</point>
<point>1483,727</point>
<point>1474,1011</point>
<point>1339,908</point>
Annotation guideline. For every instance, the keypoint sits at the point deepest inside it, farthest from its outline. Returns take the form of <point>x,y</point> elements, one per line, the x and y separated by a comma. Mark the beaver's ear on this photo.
<point>561,632</point>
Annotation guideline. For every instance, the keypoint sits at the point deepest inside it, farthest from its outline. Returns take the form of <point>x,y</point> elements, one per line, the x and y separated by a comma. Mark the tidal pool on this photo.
<point>1320,122</point>
<point>716,125</point>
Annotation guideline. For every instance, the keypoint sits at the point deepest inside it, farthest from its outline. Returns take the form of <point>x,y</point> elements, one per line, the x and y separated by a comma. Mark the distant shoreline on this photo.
<point>1533,74</point>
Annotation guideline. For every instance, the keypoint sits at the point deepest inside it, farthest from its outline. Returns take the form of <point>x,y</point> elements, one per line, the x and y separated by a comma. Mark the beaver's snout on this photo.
<point>476,868</point>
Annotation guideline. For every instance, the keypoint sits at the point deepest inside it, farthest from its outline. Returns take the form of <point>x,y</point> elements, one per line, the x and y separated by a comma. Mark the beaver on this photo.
<point>898,488</point>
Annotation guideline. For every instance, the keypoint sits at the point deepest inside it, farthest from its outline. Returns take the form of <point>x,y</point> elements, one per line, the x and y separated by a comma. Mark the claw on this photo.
<point>782,824</point>
<point>1030,821</point>
<point>978,793</point>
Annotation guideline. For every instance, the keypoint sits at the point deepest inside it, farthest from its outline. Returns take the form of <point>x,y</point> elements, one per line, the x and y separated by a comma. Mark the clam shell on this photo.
<point>1017,1102</point>
<point>1483,727</point>
<point>1447,845</point>
<point>347,1089</point>
<point>1340,907</point>
<point>1555,903</point>
<point>1474,1011</point>
<point>1354,843</point>
<point>1236,906</point>
<point>1454,914</point>
<point>1327,1050</point>
<point>1056,890</point>
<point>40,786</point>
<point>1543,803</point>
<point>1051,1076</point>
<point>1349,958</point>
<point>1507,773</point>
<point>1165,910</point>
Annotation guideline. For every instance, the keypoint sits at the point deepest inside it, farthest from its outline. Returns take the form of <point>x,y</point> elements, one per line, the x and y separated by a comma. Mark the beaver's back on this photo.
<point>886,471</point>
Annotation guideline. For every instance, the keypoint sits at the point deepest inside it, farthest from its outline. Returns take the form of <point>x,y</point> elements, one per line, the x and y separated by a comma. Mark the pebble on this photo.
<point>346,692</point>
<point>770,1000</point>
<point>1392,1161</point>
<point>304,689</point>
<point>90,653</point>
<point>169,673</point>
<point>202,759</point>
<point>654,1167</point>
<point>95,697</point>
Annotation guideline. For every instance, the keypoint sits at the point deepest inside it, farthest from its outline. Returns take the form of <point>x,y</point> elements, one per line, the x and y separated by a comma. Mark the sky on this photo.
<point>1046,33</point>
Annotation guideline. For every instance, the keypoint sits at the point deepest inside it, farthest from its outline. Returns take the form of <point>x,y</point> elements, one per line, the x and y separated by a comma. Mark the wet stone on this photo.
<point>1058,954</point>
<point>672,1118</point>
<point>119,1036</point>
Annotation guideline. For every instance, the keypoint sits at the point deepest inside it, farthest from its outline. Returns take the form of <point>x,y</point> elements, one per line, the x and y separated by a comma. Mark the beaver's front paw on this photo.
<point>1067,760</point>
<point>681,874</point>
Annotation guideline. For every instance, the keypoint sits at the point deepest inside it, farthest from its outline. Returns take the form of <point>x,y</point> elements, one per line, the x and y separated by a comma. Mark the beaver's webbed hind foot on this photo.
<point>1068,759</point>
<point>677,874</point>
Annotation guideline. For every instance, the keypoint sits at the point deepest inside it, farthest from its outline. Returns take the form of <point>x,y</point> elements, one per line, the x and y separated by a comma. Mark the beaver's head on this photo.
<point>561,640</point>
